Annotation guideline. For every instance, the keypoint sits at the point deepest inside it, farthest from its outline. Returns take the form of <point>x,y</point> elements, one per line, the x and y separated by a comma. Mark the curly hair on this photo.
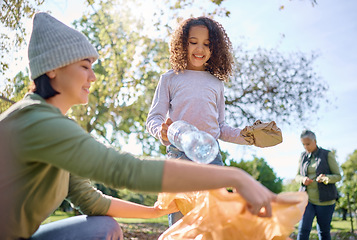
<point>221,60</point>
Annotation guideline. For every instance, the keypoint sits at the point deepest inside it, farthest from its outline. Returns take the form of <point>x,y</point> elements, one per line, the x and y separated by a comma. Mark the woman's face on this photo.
<point>73,82</point>
<point>198,52</point>
<point>309,144</point>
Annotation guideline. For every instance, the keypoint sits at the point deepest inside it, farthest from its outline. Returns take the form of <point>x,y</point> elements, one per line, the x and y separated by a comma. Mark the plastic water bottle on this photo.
<point>199,146</point>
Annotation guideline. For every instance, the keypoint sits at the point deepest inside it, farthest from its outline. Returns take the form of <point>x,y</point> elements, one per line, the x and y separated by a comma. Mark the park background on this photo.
<point>327,28</point>
<point>298,28</point>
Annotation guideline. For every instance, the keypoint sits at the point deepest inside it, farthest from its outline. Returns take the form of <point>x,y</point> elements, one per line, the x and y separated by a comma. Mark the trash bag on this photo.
<point>262,134</point>
<point>222,215</point>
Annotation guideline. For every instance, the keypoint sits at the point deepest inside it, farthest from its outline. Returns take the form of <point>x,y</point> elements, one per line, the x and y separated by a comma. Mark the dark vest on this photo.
<point>326,192</point>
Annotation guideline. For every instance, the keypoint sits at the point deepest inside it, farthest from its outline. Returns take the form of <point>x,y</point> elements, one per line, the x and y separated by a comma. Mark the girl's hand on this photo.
<point>164,128</point>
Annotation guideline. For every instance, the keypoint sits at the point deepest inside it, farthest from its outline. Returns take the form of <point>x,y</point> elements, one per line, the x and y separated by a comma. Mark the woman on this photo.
<point>318,172</point>
<point>48,157</point>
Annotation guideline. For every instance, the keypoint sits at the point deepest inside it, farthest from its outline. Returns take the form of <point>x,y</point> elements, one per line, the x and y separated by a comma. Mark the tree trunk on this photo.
<point>349,208</point>
<point>344,214</point>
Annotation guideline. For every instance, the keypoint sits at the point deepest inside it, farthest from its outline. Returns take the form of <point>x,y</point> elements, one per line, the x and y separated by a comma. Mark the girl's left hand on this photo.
<point>164,128</point>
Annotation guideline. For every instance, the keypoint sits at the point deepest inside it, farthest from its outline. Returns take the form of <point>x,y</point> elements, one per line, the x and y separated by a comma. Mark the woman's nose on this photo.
<point>92,76</point>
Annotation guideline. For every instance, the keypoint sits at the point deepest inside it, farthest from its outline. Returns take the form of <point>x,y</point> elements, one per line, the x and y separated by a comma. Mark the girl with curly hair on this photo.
<point>201,60</point>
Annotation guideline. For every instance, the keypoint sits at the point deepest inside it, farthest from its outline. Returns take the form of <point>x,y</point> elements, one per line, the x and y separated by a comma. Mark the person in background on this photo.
<point>47,157</point>
<point>318,172</point>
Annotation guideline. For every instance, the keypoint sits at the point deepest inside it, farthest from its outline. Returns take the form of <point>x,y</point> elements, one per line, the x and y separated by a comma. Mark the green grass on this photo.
<point>58,215</point>
<point>340,230</point>
<point>337,225</point>
<point>161,220</point>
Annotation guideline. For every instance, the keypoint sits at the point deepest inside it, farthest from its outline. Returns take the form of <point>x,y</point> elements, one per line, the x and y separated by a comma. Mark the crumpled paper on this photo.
<point>262,134</point>
<point>221,215</point>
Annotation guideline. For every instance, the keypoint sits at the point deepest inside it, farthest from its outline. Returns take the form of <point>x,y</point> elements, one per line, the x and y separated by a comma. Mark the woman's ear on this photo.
<point>51,74</point>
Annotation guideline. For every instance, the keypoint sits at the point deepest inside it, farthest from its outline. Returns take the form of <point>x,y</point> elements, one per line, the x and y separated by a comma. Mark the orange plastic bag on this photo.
<point>221,215</point>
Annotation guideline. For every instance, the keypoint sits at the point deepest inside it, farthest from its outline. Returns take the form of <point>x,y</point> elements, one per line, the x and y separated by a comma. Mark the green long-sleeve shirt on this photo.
<point>46,157</point>
<point>312,189</point>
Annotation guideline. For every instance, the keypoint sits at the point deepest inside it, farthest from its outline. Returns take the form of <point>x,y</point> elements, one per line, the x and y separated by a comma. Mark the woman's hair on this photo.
<point>221,60</point>
<point>308,134</point>
<point>42,87</point>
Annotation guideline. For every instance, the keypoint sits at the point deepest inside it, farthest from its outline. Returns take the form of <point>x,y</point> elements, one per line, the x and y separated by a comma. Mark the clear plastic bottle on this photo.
<point>199,146</point>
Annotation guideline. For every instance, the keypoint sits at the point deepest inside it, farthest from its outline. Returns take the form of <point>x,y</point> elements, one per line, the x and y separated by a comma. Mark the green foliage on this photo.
<point>127,73</point>
<point>147,199</point>
<point>5,103</point>
<point>106,190</point>
<point>350,168</point>
<point>349,184</point>
<point>270,85</point>
<point>15,90</point>
<point>225,157</point>
<point>12,39</point>
<point>262,172</point>
<point>12,35</point>
<point>266,84</point>
<point>291,186</point>
<point>125,194</point>
<point>216,8</point>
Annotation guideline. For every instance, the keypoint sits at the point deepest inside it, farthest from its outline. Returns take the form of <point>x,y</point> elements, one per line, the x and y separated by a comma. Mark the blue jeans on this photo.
<point>323,216</point>
<point>80,227</point>
<point>173,152</point>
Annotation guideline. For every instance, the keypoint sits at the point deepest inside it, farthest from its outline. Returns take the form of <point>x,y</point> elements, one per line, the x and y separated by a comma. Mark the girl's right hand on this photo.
<point>164,128</point>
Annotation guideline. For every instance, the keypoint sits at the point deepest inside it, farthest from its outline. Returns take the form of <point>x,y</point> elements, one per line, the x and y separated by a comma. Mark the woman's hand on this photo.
<point>307,181</point>
<point>322,179</point>
<point>205,177</point>
<point>258,197</point>
<point>170,209</point>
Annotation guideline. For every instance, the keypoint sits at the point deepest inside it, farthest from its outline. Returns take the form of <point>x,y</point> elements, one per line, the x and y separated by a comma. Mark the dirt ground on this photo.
<point>152,231</point>
<point>142,231</point>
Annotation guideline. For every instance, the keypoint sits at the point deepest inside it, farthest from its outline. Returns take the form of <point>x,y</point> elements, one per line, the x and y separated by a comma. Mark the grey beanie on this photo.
<point>53,45</point>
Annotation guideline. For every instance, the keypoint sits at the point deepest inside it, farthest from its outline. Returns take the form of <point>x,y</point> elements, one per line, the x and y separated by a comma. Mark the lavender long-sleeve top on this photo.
<point>196,97</point>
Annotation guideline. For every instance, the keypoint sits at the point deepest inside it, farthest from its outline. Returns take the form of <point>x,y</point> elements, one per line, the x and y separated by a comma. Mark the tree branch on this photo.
<point>6,99</point>
<point>16,17</point>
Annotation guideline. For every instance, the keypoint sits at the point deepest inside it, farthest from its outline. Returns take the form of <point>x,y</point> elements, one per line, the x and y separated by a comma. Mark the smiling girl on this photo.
<point>193,91</point>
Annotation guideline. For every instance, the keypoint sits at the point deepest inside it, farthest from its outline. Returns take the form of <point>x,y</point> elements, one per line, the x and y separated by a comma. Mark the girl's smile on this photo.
<point>198,51</point>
